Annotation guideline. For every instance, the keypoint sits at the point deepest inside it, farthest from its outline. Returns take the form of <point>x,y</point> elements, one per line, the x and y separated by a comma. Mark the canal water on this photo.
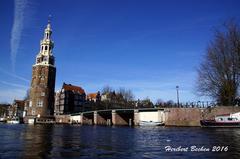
<point>71,141</point>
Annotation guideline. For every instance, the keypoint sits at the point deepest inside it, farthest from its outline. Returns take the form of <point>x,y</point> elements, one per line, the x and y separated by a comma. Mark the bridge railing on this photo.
<point>198,104</point>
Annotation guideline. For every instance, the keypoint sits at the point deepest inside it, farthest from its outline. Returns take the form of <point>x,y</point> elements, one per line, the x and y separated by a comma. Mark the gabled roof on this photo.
<point>69,87</point>
<point>92,95</point>
<point>19,102</point>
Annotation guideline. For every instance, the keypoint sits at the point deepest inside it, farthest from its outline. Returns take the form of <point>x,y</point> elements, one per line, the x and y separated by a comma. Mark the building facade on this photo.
<point>16,109</point>
<point>69,99</point>
<point>41,101</point>
<point>94,97</point>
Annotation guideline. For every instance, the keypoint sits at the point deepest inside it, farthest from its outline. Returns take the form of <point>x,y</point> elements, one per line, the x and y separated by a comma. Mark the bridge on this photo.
<point>118,116</point>
<point>170,116</point>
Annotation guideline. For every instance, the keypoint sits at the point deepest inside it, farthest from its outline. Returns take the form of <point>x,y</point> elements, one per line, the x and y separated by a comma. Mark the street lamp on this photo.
<point>177,88</point>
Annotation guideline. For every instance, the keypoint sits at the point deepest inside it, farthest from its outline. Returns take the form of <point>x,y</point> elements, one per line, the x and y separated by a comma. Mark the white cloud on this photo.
<point>17,28</point>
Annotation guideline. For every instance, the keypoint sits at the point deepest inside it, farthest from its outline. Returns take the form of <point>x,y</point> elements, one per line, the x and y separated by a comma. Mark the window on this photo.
<point>42,94</point>
<point>45,58</point>
<point>39,103</point>
<point>38,60</point>
<point>30,104</point>
<point>33,112</point>
<point>45,48</point>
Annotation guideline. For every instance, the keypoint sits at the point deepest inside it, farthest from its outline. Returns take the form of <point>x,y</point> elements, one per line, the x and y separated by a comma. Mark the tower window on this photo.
<point>38,60</point>
<point>40,103</point>
<point>45,48</point>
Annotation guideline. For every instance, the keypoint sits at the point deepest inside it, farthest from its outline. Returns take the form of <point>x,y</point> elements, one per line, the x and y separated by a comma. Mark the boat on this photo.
<point>225,120</point>
<point>3,120</point>
<point>151,123</point>
<point>14,120</point>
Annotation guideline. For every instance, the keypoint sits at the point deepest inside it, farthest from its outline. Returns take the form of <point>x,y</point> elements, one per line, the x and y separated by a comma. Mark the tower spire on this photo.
<point>45,55</point>
<point>49,18</point>
<point>49,21</point>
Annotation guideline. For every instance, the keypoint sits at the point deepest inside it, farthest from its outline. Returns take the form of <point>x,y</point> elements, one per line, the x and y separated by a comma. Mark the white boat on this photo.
<point>3,120</point>
<point>31,121</point>
<point>151,123</point>
<point>14,121</point>
<point>225,120</point>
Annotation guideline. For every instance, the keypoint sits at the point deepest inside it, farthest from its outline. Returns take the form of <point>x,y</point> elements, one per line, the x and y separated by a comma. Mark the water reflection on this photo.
<point>67,141</point>
<point>37,141</point>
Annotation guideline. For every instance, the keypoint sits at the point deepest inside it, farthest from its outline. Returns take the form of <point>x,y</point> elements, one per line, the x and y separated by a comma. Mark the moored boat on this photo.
<point>226,120</point>
<point>14,120</point>
<point>3,120</point>
<point>151,123</point>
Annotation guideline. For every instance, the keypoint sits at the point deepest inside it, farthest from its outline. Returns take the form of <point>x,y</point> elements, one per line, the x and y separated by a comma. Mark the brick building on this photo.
<point>41,101</point>
<point>69,99</point>
<point>16,109</point>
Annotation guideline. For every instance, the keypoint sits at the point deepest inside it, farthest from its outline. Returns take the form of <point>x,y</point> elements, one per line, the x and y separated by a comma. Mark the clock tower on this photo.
<point>41,102</point>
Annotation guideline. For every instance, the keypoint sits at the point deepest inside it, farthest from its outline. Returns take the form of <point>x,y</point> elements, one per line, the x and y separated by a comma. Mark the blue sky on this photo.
<point>148,46</point>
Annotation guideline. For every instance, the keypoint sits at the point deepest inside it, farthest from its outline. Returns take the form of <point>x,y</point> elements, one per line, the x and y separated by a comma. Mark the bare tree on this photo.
<point>159,103</point>
<point>219,72</point>
<point>107,89</point>
<point>170,103</point>
<point>145,103</point>
<point>126,94</point>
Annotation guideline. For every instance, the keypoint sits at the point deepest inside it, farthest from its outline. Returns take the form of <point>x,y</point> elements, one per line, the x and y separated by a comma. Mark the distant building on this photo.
<point>41,102</point>
<point>16,109</point>
<point>4,110</point>
<point>69,99</point>
<point>109,96</point>
<point>94,97</point>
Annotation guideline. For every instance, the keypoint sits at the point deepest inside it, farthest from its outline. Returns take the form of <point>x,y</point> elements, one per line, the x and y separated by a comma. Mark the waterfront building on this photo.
<point>16,109</point>
<point>69,99</point>
<point>41,101</point>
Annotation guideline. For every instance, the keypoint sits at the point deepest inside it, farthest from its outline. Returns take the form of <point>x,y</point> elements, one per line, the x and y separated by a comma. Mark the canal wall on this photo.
<point>192,116</point>
<point>182,116</point>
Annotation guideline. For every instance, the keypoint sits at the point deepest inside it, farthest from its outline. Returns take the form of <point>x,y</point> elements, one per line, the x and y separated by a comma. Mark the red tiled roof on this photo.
<point>69,87</point>
<point>92,95</point>
<point>19,102</point>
